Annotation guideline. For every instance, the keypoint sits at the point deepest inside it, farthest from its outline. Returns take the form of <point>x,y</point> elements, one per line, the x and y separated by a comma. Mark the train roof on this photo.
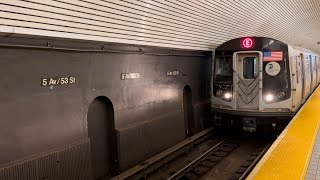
<point>257,43</point>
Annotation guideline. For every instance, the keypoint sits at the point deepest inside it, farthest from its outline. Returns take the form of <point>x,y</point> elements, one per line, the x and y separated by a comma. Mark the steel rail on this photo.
<point>256,160</point>
<point>195,162</point>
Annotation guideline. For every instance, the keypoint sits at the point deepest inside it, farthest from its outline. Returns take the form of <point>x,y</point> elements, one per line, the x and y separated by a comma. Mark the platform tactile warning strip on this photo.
<point>289,156</point>
<point>314,165</point>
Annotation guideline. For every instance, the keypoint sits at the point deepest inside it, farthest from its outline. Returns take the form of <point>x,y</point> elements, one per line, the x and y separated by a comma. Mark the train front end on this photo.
<point>251,83</point>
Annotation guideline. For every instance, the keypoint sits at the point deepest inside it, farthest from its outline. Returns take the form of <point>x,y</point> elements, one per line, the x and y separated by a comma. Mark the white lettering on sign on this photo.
<point>130,76</point>
<point>172,73</point>
<point>58,81</point>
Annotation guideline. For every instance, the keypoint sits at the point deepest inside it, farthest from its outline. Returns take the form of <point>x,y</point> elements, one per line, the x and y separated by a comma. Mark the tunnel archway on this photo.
<point>188,111</point>
<point>102,134</point>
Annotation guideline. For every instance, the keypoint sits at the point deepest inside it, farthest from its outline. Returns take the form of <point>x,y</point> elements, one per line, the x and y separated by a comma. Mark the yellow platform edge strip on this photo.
<point>289,155</point>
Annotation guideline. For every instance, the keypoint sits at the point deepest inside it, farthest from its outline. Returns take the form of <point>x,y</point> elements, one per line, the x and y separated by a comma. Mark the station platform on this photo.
<point>295,154</point>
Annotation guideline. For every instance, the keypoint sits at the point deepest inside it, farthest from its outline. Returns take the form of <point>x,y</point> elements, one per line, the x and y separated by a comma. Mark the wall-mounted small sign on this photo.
<point>130,76</point>
<point>58,81</point>
<point>172,73</point>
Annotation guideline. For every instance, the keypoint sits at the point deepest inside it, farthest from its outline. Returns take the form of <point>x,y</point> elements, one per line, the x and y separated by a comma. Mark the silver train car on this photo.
<point>261,82</point>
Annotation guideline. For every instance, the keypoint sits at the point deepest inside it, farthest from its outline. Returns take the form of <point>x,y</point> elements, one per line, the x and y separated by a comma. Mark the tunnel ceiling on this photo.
<point>193,24</point>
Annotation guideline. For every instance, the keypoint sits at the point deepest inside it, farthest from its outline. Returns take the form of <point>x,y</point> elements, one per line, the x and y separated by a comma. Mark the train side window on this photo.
<point>250,67</point>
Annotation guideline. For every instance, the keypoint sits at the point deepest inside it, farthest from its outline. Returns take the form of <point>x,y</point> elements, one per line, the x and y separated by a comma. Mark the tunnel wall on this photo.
<point>48,121</point>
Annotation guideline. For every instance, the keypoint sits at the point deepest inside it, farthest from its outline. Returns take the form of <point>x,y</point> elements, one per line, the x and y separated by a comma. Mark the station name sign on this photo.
<point>58,81</point>
<point>125,76</point>
<point>173,73</point>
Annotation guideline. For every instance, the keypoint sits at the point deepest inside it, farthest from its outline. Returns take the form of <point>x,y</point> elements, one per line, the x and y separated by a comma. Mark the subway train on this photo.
<point>260,83</point>
<point>78,109</point>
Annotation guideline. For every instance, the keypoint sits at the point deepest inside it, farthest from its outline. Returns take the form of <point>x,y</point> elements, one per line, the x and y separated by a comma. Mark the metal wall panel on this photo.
<point>71,162</point>
<point>36,117</point>
<point>188,24</point>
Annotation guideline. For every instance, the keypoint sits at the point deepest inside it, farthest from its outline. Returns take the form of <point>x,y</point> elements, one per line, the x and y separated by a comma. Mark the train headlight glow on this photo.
<point>227,95</point>
<point>219,93</point>
<point>269,97</point>
<point>281,94</point>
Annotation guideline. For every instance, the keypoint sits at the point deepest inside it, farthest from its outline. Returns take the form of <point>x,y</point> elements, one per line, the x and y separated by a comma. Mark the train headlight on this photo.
<point>281,94</point>
<point>269,97</point>
<point>227,95</point>
<point>219,93</point>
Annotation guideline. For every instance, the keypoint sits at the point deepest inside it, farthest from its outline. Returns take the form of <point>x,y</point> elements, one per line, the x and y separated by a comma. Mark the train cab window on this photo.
<point>250,67</point>
<point>223,69</point>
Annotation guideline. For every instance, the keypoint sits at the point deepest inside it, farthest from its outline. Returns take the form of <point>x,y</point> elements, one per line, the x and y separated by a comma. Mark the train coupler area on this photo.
<point>249,124</point>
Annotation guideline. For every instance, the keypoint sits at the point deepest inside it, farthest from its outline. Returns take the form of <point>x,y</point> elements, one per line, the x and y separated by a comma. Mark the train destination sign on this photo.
<point>247,42</point>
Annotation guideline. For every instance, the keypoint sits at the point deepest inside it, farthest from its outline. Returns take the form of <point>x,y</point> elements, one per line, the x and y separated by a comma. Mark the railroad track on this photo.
<point>209,159</point>
<point>203,156</point>
<point>206,161</point>
<point>250,163</point>
<point>142,171</point>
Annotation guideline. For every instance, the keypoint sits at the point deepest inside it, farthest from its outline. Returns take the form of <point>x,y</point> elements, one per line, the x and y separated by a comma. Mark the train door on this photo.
<point>313,72</point>
<point>297,81</point>
<point>318,68</point>
<point>303,77</point>
<point>306,76</point>
<point>316,62</point>
<point>188,111</point>
<point>247,68</point>
<point>102,134</point>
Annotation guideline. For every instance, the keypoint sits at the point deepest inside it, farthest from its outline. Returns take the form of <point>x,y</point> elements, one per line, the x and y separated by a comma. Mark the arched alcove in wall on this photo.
<point>102,134</point>
<point>188,111</point>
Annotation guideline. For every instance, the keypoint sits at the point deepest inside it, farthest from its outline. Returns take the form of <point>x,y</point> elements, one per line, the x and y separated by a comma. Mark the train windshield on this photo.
<point>223,69</point>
